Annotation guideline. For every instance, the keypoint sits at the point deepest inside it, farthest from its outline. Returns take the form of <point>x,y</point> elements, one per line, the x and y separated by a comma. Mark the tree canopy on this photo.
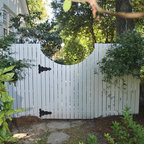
<point>96,8</point>
<point>45,33</point>
<point>79,26</point>
<point>38,6</point>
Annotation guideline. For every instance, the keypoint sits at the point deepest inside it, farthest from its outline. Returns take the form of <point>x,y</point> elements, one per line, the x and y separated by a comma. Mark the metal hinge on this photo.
<point>42,112</point>
<point>41,69</point>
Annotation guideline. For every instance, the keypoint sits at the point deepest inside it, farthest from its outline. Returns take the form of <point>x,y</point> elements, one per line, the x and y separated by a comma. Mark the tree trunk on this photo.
<point>93,35</point>
<point>123,24</point>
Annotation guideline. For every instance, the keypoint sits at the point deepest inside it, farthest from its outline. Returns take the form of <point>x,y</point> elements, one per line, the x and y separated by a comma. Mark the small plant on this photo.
<point>91,140</point>
<point>127,131</point>
<point>6,103</point>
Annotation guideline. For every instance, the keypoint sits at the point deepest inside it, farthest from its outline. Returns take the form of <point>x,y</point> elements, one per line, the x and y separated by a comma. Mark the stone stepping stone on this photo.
<point>58,125</point>
<point>57,138</point>
<point>77,123</point>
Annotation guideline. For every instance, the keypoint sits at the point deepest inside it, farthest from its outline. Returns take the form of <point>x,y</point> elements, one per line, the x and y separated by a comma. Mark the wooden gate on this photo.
<point>70,91</point>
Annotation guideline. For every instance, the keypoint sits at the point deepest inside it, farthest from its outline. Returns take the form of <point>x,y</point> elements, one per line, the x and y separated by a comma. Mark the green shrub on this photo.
<point>91,140</point>
<point>6,60</point>
<point>127,131</point>
<point>6,103</point>
<point>125,57</point>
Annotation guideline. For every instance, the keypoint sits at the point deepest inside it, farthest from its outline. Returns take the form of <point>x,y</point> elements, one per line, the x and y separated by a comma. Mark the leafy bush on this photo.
<point>6,103</point>
<point>91,140</point>
<point>126,132</point>
<point>125,57</point>
<point>46,33</point>
<point>6,60</point>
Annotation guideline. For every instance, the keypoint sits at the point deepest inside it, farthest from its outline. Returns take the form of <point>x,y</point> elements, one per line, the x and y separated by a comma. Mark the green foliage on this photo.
<point>45,33</point>
<point>126,132</point>
<point>73,52</point>
<point>6,60</point>
<point>78,26</point>
<point>6,103</point>
<point>38,6</point>
<point>124,58</point>
<point>67,5</point>
<point>91,140</point>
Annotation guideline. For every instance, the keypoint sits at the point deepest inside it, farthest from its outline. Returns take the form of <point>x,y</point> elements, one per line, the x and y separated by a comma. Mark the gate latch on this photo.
<point>42,112</point>
<point>41,69</point>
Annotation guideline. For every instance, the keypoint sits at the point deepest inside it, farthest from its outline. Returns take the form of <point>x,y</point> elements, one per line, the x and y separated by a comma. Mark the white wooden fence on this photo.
<point>70,91</point>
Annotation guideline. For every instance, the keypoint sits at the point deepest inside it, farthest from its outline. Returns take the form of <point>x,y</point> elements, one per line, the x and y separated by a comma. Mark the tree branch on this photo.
<point>95,7</point>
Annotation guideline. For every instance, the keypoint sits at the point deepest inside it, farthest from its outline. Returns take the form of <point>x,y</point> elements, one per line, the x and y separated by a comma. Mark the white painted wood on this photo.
<point>137,95</point>
<point>30,75</point>
<point>43,83</point>
<point>23,103</point>
<point>80,92</point>
<point>92,85</point>
<point>55,90</point>
<point>76,92</point>
<point>14,88</point>
<point>39,96</point>
<point>96,75</point>
<point>84,90</point>
<point>70,92</point>
<point>63,100</point>
<point>104,86</point>
<point>26,82</point>
<point>120,96</point>
<point>100,96</point>
<point>51,90</point>
<point>129,91</point>
<point>124,93</point>
<point>88,94</point>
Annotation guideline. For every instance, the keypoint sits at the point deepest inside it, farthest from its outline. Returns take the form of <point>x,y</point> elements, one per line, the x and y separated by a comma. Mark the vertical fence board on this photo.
<point>80,91</point>
<point>39,97</point>
<point>92,75</point>
<point>72,92</point>
<point>59,91</point>
<point>88,95</point>
<point>84,90</point>
<point>17,88</point>
<point>55,90</point>
<point>104,90</point>
<point>30,56</point>
<point>96,75</point>
<point>34,78</point>
<point>100,108</point>
<point>137,86</point>
<point>75,92</point>
<point>63,93</point>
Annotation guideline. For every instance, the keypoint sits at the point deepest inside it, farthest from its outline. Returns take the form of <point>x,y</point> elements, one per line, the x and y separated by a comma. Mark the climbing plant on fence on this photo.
<point>125,57</point>
<point>6,103</point>
<point>10,71</point>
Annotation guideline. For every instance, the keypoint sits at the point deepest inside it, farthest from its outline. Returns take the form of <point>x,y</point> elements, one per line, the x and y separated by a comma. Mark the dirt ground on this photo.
<point>95,127</point>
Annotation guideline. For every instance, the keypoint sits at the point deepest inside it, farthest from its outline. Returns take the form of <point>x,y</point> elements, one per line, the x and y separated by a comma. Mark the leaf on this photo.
<point>67,5</point>
<point>8,69</point>
<point>19,110</point>
<point>7,77</point>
